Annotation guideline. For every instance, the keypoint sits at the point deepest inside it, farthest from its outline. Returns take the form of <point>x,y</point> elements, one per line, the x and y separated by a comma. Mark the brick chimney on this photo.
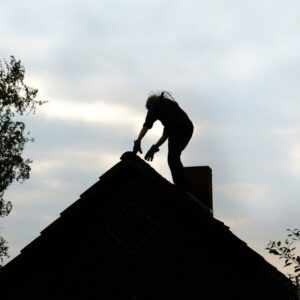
<point>200,180</point>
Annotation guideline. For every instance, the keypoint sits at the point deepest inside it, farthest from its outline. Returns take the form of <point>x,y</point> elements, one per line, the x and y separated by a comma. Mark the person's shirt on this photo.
<point>170,114</point>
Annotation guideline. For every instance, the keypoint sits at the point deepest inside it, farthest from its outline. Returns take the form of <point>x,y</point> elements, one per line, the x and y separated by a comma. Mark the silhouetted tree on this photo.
<point>3,250</point>
<point>286,250</point>
<point>16,99</point>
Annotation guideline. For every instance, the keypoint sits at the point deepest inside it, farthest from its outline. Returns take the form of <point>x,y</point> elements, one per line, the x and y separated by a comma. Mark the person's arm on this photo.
<point>137,143</point>
<point>142,133</point>
<point>161,141</point>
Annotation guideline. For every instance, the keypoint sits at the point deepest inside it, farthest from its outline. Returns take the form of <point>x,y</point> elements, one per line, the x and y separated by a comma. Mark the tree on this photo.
<point>287,252</point>
<point>3,249</point>
<point>16,99</point>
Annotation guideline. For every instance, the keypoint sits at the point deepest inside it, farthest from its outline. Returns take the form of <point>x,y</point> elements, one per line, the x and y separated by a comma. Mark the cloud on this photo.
<point>289,136</point>
<point>293,164</point>
<point>232,66</point>
<point>96,112</point>
<point>245,192</point>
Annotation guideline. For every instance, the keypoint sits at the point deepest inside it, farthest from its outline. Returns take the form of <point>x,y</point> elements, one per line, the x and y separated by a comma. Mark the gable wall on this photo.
<point>187,256</point>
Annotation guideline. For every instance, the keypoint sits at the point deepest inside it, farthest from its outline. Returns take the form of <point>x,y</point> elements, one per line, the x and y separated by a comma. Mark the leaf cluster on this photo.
<point>286,251</point>
<point>16,99</point>
<point>3,249</point>
<point>15,95</point>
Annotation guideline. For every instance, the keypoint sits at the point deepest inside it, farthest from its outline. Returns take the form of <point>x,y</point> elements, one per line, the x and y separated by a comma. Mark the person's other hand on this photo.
<point>150,154</point>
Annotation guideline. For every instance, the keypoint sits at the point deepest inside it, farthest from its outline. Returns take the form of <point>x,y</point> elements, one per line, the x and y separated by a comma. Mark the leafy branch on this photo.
<point>3,250</point>
<point>16,99</point>
<point>286,251</point>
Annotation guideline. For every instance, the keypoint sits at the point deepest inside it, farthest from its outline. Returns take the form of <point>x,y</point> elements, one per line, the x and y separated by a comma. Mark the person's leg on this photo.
<point>177,143</point>
<point>175,164</point>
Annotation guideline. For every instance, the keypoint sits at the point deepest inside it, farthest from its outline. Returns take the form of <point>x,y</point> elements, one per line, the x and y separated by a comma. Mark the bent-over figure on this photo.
<point>178,129</point>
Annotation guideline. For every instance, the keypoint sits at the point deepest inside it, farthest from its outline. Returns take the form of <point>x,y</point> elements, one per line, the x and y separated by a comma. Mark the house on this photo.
<point>133,235</point>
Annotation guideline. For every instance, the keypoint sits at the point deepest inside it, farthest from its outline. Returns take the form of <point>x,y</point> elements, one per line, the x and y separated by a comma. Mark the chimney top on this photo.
<point>200,180</point>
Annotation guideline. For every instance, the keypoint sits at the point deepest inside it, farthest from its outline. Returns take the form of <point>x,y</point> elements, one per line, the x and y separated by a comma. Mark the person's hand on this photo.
<point>150,154</point>
<point>137,147</point>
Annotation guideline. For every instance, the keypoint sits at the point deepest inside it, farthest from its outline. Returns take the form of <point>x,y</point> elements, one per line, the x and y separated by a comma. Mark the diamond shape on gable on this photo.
<point>132,227</point>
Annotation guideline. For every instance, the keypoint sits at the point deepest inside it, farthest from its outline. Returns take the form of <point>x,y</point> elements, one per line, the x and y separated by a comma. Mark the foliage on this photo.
<point>3,249</point>
<point>16,99</point>
<point>287,252</point>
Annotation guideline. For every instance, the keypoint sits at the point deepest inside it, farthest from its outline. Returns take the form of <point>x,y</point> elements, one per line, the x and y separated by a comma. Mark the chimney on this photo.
<point>200,180</point>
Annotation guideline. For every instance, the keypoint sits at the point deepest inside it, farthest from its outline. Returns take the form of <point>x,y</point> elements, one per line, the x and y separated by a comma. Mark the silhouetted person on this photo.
<point>178,129</point>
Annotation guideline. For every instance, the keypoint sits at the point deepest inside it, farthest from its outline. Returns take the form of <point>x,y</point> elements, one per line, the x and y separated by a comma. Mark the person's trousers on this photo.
<point>178,140</point>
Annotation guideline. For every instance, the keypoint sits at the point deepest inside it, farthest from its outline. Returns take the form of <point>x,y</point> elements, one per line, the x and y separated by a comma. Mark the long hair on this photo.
<point>163,98</point>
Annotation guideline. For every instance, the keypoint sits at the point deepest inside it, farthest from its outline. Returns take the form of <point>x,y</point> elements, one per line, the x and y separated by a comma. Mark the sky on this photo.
<point>233,66</point>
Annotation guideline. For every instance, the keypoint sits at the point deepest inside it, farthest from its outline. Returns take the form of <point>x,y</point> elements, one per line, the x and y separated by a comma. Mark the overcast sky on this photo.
<point>233,66</point>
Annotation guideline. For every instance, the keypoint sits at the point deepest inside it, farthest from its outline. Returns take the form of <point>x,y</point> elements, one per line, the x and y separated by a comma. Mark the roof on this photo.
<point>132,163</point>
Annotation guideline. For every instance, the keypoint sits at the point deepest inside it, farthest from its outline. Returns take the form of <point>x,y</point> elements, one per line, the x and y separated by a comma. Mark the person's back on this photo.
<point>169,113</point>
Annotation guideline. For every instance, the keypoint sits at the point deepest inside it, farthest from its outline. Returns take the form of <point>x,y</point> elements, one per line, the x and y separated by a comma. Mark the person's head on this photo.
<point>154,98</point>
<point>151,100</point>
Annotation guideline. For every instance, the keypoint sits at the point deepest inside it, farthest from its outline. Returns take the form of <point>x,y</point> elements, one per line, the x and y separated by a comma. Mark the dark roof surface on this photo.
<point>129,161</point>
